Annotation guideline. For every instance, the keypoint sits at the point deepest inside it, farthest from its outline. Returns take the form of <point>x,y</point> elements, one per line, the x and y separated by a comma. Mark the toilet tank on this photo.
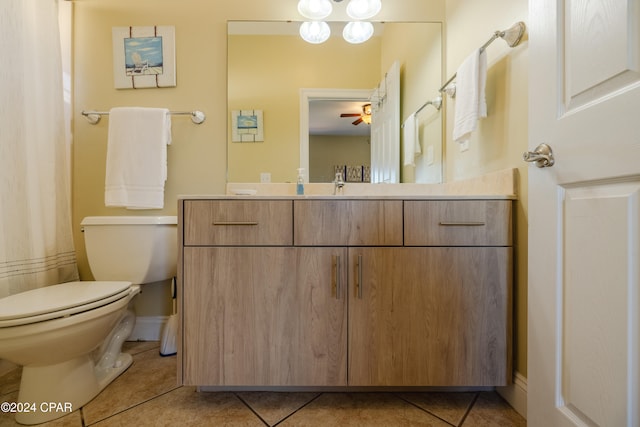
<point>138,249</point>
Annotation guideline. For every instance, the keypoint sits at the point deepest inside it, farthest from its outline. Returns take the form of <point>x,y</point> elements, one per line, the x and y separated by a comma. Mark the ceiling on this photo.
<point>324,118</point>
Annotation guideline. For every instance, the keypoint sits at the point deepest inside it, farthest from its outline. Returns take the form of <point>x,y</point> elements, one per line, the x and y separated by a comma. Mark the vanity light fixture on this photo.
<point>363,9</point>
<point>315,9</point>
<point>357,32</point>
<point>315,32</point>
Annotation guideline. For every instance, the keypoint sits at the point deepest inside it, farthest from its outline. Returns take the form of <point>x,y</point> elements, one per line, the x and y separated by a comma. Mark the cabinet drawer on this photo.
<point>348,222</point>
<point>238,222</point>
<point>458,223</point>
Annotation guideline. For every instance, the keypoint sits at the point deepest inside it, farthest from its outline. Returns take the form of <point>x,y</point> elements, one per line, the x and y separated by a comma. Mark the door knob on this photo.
<point>542,156</point>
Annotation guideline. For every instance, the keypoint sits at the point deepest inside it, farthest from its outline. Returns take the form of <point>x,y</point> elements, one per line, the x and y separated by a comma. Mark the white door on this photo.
<point>584,214</point>
<point>385,128</point>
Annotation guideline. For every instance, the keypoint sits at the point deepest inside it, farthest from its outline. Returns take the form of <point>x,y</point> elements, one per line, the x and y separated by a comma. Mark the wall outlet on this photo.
<point>265,177</point>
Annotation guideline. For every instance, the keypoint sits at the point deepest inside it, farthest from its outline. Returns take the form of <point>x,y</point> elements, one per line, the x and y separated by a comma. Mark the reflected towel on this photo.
<point>470,95</point>
<point>411,140</point>
<point>137,157</point>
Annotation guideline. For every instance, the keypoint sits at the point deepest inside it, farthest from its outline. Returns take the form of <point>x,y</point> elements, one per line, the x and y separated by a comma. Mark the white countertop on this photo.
<point>339,197</point>
<point>495,186</point>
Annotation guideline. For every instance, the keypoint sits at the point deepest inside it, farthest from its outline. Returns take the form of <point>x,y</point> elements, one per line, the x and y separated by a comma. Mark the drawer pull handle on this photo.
<point>461,224</point>
<point>235,223</point>
<point>335,285</point>
<point>359,279</point>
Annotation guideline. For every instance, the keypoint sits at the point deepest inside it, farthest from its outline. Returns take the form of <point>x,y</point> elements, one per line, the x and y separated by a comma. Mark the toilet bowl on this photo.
<point>53,333</point>
<point>68,337</point>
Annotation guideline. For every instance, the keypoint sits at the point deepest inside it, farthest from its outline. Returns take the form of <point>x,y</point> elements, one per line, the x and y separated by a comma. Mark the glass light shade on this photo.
<point>315,9</point>
<point>363,9</point>
<point>357,32</point>
<point>315,32</point>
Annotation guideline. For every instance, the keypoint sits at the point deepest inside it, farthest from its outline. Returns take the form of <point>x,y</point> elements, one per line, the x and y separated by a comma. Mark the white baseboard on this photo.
<point>516,394</point>
<point>148,328</point>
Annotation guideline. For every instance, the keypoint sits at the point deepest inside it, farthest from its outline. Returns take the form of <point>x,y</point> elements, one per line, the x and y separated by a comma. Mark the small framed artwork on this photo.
<point>247,126</point>
<point>144,57</point>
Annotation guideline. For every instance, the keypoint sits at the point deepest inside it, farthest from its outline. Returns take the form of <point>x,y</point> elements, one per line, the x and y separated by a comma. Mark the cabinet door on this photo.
<point>430,316</point>
<point>264,316</point>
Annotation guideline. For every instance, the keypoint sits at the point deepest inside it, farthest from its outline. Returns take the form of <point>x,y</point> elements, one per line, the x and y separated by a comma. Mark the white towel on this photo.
<point>137,157</point>
<point>470,96</point>
<point>411,139</point>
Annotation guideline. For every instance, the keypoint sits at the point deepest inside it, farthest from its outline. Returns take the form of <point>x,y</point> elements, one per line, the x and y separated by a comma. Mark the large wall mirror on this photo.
<point>270,67</point>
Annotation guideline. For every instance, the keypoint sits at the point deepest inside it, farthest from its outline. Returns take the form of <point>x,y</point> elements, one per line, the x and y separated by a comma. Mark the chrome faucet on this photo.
<point>338,183</point>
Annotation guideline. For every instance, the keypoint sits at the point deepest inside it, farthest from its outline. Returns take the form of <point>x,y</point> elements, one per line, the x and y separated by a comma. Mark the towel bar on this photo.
<point>511,35</point>
<point>197,117</point>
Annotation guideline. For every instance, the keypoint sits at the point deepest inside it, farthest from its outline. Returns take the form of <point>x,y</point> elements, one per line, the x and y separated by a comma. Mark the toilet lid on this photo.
<point>63,297</point>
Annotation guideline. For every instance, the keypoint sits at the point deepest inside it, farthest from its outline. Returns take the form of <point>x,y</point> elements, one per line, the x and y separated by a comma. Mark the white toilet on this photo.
<point>68,337</point>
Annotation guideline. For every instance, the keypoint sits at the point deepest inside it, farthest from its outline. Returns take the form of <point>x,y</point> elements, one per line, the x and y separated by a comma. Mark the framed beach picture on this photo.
<point>144,57</point>
<point>247,126</point>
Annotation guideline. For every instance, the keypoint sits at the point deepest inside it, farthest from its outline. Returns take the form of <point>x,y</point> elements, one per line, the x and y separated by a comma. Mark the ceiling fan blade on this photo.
<point>357,122</point>
<point>350,115</point>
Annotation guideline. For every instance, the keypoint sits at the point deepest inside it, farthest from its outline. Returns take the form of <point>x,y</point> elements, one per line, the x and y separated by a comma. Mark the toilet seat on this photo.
<point>61,300</point>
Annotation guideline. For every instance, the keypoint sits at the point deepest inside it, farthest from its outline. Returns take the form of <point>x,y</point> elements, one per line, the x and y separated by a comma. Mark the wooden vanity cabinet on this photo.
<point>437,311</point>
<point>257,311</point>
<point>360,293</point>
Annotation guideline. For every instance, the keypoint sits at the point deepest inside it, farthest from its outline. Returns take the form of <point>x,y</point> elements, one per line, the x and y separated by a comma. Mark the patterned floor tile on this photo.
<point>149,376</point>
<point>451,407</point>
<point>361,409</point>
<point>274,407</point>
<point>490,410</point>
<point>186,407</point>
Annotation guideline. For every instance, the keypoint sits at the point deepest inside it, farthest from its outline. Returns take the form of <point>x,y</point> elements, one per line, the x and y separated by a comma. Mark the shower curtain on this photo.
<point>36,244</point>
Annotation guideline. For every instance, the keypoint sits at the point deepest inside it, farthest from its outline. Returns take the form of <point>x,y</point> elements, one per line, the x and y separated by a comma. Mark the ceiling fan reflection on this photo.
<point>365,116</point>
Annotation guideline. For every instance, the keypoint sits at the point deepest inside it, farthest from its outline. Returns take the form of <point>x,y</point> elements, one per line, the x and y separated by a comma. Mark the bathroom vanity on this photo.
<point>329,291</point>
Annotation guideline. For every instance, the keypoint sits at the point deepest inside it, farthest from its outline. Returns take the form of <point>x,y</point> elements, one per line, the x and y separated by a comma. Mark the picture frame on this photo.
<point>144,57</point>
<point>247,126</point>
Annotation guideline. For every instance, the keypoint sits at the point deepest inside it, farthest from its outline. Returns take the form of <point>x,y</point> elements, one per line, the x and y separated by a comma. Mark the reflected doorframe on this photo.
<point>311,94</point>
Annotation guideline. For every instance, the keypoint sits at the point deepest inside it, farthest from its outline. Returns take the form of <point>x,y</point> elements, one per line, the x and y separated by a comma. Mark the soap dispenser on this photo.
<point>300,184</point>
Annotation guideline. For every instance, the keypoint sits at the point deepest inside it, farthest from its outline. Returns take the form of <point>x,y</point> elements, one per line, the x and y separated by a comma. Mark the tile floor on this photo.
<point>147,395</point>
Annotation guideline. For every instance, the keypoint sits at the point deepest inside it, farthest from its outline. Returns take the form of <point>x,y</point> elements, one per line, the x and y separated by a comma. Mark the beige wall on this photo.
<point>326,151</point>
<point>501,138</point>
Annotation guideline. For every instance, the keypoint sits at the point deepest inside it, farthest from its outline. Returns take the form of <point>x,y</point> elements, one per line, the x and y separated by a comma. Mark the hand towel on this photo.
<point>411,140</point>
<point>470,95</point>
<point>137,157</point>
